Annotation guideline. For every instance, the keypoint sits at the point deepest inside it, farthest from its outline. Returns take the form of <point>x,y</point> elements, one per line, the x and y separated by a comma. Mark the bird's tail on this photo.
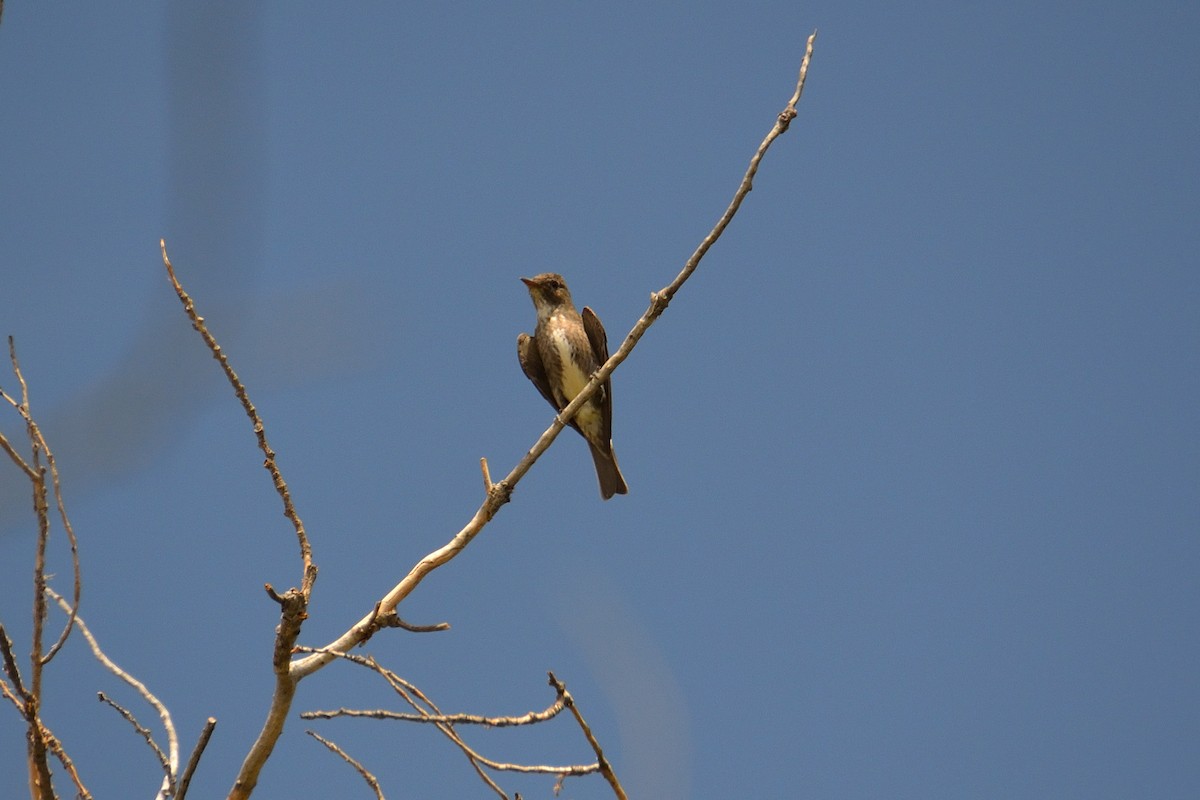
<point>611,480</point>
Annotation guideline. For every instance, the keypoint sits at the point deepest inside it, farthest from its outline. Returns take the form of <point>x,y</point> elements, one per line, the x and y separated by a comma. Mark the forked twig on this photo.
<point>37,477</point>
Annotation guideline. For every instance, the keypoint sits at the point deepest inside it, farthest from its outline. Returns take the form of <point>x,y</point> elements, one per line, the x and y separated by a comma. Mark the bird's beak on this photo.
<point>528,282</point>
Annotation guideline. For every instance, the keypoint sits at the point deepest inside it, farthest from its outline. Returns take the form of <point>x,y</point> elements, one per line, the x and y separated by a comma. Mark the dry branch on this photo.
<point>294,603</point>
<point>40,741</point>
<point>499,493</point>
<point>186,779</point>
<point>281,487</point>
<point>605,767</point>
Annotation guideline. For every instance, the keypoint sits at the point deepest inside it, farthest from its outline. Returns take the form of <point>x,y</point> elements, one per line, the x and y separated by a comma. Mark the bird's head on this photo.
<point>549,291</point>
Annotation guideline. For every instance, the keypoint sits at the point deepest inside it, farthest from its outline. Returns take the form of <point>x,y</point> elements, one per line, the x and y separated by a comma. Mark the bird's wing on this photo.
<point>596,336</point>
<point>599,341</point>
<point>531,365</point>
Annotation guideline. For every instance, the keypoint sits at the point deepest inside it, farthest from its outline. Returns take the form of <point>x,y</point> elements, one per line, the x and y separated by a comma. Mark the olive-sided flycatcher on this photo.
<point>560,357</point>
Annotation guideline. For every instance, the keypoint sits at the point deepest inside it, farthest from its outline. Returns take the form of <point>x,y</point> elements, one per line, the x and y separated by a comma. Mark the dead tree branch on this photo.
<point>428,712</point>
<point>294,603</point>
<point>194,761</point>
<point>281,487</point>
<point>500,492</point>
<point>40,741</point>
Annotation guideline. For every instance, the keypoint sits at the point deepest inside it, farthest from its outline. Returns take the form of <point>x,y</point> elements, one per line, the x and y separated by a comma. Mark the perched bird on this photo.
<point>560,357</point>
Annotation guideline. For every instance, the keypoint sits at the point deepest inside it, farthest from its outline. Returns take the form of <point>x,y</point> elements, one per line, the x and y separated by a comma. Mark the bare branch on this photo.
<point>12,355</point>
<point>293,605</point>
<point>445,722</point>
<point>281,487</point>
<point>36,475</point>
<point>73,608</point>
<point>499,493</point>
<point>528,718</point>
<point>366,776</point>
<point>294,602</point>
<point>40,781</point>
<point>407,691</point>
<point>186,780</point>
<point>659,300</point>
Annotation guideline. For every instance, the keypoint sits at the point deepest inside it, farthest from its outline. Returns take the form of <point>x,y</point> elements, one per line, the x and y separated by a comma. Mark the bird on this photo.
<point>566,348</point>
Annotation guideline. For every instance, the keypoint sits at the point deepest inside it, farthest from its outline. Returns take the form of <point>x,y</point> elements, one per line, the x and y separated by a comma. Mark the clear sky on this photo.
<point>914,460</point>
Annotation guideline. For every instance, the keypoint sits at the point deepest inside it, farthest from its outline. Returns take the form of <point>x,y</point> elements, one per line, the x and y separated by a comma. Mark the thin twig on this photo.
<point>528,718</point>
<point>7,447</point>
<point>10,667</point>
<point>605,767</point>
<point>393,620</point>
<point>407,690</point>
<point>186,780</point>
<point>73,609</point>
<point>12,355</point>
<point>444,722</point>
<point>40,780</point>
<point>145,734</point>
<point>37,477</point>
<point>281,487</point>
<point>366,775</point>
<point>10,694</point>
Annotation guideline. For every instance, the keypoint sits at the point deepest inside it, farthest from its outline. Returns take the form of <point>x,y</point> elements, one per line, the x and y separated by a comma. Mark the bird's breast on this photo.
<point>573,377</point>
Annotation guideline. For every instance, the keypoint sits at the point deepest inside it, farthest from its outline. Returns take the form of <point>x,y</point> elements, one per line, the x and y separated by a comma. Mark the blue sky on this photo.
<point>913,458</point>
